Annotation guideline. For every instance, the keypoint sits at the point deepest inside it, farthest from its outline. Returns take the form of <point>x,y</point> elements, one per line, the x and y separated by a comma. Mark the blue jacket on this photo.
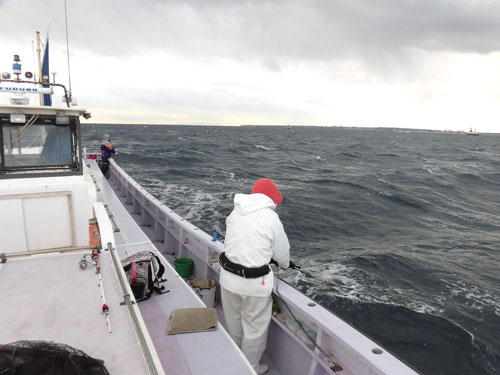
<point>107,150</point>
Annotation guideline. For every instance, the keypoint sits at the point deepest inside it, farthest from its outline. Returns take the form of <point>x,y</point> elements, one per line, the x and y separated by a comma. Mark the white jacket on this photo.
<point>254,235</point>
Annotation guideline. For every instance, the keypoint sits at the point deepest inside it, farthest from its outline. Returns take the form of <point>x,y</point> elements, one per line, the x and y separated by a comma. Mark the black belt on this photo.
<point>238,269</point>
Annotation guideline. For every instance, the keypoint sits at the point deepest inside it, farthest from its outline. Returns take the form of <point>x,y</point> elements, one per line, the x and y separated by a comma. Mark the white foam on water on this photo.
<point>196,206</point>
<point>263,147</point>
<point>475,297</point>
<point>434,170</point>
<point>385,193</point>
<point>344,282</point>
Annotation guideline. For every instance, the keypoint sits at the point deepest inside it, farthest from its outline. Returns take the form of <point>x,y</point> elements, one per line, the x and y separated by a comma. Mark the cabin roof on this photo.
<point>41,110</point>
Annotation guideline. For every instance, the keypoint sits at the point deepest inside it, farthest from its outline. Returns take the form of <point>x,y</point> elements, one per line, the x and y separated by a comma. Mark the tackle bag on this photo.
<point>144,274</point>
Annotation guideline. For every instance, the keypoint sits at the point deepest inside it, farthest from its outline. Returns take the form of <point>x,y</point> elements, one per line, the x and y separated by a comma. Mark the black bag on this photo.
<point>144,271</point>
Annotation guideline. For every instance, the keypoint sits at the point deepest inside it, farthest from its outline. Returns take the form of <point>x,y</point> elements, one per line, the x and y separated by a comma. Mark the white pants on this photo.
<point>247,321</point>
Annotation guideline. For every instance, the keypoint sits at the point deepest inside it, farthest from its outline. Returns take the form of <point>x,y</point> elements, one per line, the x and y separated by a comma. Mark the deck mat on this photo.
<point>192,320</point>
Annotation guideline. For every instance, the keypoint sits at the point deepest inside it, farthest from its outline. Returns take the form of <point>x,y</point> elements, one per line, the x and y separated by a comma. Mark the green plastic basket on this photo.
<point>184,267</point>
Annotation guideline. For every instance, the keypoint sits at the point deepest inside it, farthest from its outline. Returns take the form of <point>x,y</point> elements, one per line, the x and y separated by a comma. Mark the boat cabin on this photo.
<point>41,174</point>
<point>39,141</point>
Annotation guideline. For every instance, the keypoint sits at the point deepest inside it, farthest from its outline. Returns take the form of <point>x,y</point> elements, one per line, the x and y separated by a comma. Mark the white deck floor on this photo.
<point>48,297</point>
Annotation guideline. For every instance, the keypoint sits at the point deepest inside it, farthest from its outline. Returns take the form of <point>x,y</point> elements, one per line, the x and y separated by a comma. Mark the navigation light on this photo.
<point>16,66</point>
<point>62,120</point>
<point>19,100</point>
<point>17,118</point>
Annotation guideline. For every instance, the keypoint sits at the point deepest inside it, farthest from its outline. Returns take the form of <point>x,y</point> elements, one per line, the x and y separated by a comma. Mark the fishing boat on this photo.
<point>65,232</point>
<point>471,132</point>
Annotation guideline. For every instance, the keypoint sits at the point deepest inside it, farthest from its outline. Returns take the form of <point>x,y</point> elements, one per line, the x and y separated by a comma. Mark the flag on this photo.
<point>47,98</point>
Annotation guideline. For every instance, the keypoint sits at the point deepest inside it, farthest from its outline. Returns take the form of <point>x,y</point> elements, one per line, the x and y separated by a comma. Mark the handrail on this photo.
<point>45,251</point>
<point>127,301</point>
<point>41,83</point>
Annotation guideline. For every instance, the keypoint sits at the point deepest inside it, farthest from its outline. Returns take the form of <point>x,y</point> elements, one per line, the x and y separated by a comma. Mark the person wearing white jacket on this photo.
<point>254,236</point>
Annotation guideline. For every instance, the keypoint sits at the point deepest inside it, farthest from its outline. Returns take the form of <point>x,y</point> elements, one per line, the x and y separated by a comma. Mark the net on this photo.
<point>47,358</point>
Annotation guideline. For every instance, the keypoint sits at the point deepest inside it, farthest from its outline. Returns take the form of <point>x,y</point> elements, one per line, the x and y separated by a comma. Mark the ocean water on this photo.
<point>398,230</point>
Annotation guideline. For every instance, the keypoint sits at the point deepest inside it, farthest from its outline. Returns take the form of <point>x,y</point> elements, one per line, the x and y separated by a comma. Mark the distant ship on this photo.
<point>471,132</point>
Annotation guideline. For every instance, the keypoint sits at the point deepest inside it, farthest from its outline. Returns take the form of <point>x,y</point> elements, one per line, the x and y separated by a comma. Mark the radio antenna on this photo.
<point>67,50</point>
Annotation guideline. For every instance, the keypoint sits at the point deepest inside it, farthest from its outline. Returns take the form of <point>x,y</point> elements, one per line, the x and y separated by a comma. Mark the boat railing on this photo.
<point>174,235</point>
<point>107,238</point>
<point>47,88</point>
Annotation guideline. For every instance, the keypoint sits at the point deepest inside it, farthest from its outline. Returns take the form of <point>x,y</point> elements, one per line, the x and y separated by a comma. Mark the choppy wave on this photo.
<point>263,147</point>
<point>396,230</point>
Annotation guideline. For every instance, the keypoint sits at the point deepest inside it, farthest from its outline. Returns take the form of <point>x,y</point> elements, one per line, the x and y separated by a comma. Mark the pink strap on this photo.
<point>134,275</point>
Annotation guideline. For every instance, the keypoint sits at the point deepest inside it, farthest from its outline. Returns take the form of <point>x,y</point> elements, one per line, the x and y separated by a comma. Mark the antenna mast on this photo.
<point>67,51</point>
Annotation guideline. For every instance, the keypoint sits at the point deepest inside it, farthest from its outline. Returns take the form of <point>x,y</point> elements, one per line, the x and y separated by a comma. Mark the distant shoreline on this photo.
<point>381,128</point>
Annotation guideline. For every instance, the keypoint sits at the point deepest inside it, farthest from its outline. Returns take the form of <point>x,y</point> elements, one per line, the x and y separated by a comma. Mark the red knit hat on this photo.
<point>268,187</point>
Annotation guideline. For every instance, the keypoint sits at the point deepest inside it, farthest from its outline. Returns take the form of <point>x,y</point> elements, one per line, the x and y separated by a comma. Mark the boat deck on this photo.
<point>48,297</point>
<point>211,352</point>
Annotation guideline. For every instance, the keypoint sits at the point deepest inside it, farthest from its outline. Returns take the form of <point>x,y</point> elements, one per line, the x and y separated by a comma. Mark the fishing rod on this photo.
<point>97,266</point>
<point>105,307</point>
<point>294,266</point>
<point>335,366</point>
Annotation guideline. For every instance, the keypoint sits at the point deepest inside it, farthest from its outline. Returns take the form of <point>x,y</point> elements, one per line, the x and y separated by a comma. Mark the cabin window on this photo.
<point>38,145</point>
<point>42,145</point>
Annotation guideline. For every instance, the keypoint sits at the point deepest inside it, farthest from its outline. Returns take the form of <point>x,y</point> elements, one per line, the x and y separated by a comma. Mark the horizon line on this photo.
<point>291,126</point>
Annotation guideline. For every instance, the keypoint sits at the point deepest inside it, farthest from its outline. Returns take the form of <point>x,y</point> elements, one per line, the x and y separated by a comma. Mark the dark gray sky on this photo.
<point>427,64</point>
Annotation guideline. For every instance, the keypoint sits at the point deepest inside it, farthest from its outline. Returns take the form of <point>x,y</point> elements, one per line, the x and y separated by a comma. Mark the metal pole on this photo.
<point>48,251</point>
<point>67,52</point>
<point>34,65</point>
<point>126,298</point>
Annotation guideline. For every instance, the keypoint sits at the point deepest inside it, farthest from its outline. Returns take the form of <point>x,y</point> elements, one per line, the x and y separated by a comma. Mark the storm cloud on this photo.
<point>422,51</point>
<point>298,30</point>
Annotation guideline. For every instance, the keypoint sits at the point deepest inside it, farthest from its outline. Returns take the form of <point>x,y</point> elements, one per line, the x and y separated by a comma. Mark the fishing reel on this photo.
<point>83,263</point>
